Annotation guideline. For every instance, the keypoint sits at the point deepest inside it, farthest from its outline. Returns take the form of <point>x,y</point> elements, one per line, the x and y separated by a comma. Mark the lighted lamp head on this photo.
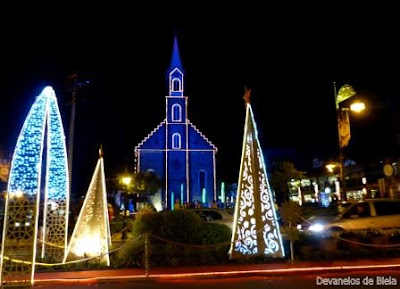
<point>126,180</point>
<point>357,106</point>
<point>330,167</point>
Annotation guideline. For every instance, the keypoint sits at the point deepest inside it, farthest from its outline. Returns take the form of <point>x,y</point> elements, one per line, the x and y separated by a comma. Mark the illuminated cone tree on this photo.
<point>255,226</point>
<point>39,167</point>
<point>91,236</point>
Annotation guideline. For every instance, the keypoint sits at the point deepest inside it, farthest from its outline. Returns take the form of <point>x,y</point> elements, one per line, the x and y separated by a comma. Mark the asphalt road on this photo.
<point>351,279</point>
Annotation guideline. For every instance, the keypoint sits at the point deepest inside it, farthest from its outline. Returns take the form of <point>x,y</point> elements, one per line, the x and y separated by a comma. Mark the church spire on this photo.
<point>175,59</point>
<point>175,72</point>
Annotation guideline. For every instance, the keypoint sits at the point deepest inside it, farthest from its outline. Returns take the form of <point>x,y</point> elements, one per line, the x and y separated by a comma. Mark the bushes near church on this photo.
<point>176,238</point>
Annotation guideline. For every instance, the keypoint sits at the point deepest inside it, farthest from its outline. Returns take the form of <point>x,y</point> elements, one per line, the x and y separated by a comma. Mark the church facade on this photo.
<point>181,156</point>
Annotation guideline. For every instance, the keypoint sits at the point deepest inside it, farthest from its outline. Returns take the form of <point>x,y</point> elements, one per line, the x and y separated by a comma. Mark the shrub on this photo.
<point>176,238</point>
<point>130,255</point>
<point>214,233</point>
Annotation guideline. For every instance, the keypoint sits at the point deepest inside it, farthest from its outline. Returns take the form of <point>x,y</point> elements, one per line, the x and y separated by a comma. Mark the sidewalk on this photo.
<point>214,271</point>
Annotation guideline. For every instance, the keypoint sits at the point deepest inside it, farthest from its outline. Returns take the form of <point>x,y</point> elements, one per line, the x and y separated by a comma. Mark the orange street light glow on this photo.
<point>357,106</point>
<point>126,180</point>
<point>330,167</point>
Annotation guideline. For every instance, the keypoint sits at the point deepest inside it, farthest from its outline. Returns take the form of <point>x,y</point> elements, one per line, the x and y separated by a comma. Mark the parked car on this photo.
<point>361,215</point>
<point>215,215</point>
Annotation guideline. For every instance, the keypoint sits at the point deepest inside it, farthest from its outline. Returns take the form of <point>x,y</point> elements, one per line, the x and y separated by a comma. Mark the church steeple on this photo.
<point>175,72</point>
<point>176,150</point>
<point>175,59</point>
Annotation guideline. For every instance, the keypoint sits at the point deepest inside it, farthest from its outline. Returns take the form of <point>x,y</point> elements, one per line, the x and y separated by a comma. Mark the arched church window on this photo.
<point>176,141</point>
<point>176,84</point>
<point>176,112</point>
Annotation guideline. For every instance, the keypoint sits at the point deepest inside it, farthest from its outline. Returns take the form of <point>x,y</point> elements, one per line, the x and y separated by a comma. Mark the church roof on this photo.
<point>156,139</point>
<point>202,136</point>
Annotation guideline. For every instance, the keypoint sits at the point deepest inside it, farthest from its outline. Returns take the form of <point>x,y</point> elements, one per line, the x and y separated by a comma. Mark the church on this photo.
<point>181,156</point>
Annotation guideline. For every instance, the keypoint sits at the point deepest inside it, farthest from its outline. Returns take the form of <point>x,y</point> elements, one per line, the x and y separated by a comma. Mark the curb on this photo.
<point>215,274</point>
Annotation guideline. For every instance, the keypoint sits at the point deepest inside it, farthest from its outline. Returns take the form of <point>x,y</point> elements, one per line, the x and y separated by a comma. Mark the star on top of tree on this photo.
<point>246,95</point>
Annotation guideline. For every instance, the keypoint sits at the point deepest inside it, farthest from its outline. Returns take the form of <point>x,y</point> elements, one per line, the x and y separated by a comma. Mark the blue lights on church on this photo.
<point>177,151</point>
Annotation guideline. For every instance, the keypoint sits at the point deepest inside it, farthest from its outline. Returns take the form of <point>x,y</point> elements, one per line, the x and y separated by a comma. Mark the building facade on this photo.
<point>177,151</point>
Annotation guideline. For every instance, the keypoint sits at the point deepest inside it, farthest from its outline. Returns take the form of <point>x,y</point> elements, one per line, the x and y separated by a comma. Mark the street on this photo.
<point>351,279</point>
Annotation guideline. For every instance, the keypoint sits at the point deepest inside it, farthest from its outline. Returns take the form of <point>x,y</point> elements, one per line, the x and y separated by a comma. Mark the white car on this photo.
<point>362,215</point>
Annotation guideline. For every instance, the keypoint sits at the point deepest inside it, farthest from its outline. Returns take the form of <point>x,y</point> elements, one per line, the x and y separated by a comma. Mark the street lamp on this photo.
<point>126,180</point>
<point>343,122</point>
<point>357,106</point>
<point>331,167</point>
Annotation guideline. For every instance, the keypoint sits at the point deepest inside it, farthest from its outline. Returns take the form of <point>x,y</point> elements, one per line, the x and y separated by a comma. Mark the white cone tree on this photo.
<point>91,236</point>
<point>255,226</point>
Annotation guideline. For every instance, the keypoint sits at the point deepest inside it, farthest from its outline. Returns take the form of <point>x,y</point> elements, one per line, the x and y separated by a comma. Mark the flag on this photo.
<point>344,130</point>
<point>345,92</point>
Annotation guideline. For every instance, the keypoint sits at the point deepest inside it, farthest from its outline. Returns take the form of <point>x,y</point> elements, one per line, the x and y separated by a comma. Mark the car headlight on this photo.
<point>316,228</point>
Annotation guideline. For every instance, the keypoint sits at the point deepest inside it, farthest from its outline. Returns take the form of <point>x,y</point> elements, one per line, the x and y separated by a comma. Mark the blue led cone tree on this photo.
<point>255,226</point>
<point>91,236</point>
<point>41,135</point>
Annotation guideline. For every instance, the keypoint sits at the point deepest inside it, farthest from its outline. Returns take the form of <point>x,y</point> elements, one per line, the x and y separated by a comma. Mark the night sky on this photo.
<point>290,64</point>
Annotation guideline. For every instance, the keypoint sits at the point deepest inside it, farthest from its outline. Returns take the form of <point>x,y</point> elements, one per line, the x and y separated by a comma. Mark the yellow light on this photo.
<point>330,167</point>
<point>53,205</point>
<point>126,180</point>
<point>19,194</point>
<point>88,245</point>
<point>357,106</point>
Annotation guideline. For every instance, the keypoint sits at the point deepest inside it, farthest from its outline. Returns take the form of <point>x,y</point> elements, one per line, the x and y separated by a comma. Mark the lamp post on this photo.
<point>126,180</point>
<point>343,124</point>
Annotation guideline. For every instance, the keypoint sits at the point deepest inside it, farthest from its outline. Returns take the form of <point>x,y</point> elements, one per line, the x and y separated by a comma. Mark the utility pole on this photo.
<point>339,117</point>
<point>74,78</point>
<point>75,85</point>
<point>343,122</point>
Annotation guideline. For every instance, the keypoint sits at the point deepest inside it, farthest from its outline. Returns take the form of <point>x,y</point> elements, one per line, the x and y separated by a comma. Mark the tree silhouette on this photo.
<point>284,172</point>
